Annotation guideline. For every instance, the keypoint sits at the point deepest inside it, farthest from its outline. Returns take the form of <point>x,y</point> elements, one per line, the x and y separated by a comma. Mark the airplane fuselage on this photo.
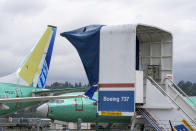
<point>70,110</point>
<point>15,91</point>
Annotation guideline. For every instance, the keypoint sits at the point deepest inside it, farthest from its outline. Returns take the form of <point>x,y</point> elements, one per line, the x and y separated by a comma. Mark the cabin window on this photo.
<point>59,101</point>
<point>52,101</point>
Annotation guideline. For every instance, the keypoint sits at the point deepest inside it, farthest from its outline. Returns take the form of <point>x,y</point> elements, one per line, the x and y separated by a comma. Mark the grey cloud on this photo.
<point>23,7</point>
<point>185,71</point>
<point>69,68</point>
<point>8,63</point>
<point>24,21</point>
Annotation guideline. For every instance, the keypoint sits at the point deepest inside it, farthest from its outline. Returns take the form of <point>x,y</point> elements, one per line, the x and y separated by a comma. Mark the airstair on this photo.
<point>168,107</point>
<point>125,55</point>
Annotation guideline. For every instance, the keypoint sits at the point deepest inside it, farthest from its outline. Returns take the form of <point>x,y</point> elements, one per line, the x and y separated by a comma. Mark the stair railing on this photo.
<point>165,93</point>
<point>182,92</point>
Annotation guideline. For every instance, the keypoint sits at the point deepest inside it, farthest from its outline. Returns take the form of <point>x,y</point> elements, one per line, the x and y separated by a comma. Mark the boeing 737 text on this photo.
<point>116,99</point>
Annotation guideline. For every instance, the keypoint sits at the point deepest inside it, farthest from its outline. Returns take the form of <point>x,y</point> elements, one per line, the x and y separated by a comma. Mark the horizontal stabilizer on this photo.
<point>90,92</point>
<point>66,90</point>
<point>41,98</point>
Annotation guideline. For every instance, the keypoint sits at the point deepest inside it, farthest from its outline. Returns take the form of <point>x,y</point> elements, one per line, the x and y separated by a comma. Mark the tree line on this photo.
<point>66,84</point>
<point>188,87</point>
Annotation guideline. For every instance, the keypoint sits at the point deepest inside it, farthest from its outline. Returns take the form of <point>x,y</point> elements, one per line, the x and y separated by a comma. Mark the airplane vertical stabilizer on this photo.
<point>86,41</point>
<point>34,69</point>
<point>45,68</point>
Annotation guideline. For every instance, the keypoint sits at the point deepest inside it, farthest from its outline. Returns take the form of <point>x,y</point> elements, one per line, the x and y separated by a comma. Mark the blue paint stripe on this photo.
<point>39,84</point>
<point>50,49</point>
<point>43,76</point>
<point>41,81</point>
<point>44,73</point>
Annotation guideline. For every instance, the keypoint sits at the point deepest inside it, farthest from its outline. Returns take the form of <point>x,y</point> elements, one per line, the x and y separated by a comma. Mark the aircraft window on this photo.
<point>51,101</point>
<point>59,101</point>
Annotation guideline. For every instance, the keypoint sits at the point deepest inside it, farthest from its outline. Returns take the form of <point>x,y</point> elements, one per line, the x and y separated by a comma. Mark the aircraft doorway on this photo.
<point>18,94</point>
<point>78,104</point>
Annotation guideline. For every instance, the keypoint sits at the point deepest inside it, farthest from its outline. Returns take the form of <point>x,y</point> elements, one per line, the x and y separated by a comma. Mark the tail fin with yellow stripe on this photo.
<point>35,68</point>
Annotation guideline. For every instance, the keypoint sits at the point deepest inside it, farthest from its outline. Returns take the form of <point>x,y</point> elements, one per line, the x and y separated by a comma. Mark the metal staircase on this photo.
<point>180,111</point>
<point>171,84</point>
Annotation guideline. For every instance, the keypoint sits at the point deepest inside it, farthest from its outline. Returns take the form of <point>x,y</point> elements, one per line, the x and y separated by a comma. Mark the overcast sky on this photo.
<point>22,22</point>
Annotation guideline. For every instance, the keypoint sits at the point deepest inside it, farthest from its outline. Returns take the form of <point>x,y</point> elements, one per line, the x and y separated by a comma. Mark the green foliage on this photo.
<point>188,87</point>
<point>57,85</point>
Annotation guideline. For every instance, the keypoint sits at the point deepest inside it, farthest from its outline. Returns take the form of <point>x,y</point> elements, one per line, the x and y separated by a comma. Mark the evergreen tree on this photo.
<point>188,87</point>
